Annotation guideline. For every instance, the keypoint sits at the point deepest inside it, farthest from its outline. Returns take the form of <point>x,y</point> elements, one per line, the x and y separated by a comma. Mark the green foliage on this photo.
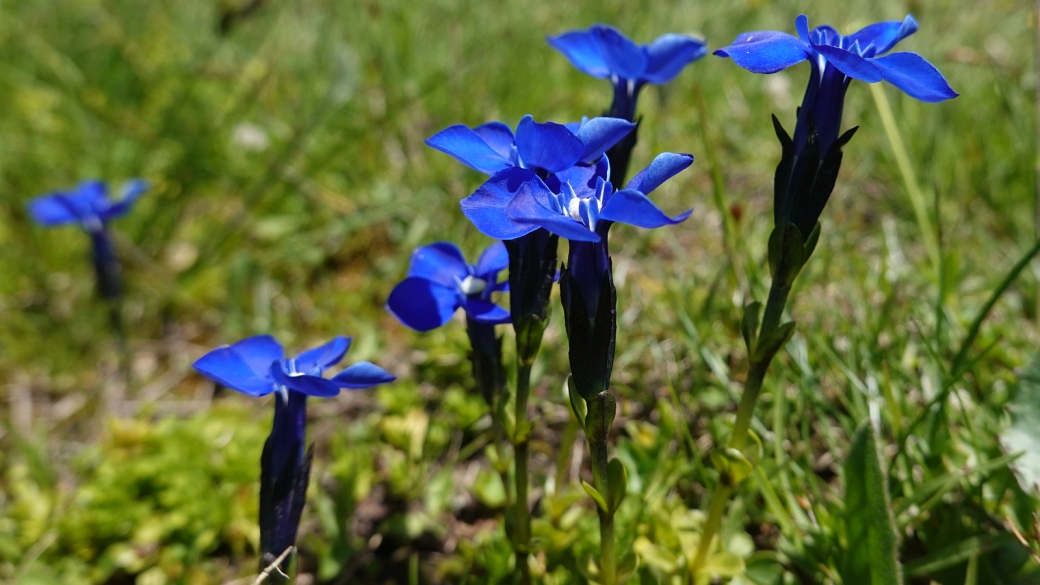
<point>870,556</point>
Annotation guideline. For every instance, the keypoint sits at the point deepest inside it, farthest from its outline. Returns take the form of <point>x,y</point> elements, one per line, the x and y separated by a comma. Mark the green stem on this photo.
<point>607,558</point>
<point>520,443</point>
<point>745,413</point>
<point>563,458</point>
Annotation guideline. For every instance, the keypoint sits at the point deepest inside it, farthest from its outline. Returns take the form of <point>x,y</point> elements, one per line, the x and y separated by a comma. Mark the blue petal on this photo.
<point>634,208</point>
<point>499,137</point>
<point>884,35</point>
<point>259,351</point>
<point>441,262</point>
<point>599,134</point>
<point>765,51</point>
<point>911,73</point>
<point>623,57</point>
<point>801,25</point>
<point>309,385</point>
<point>582,51</point>
<point>582,178</point>
<point>486,312</point>
<point>850,63</point>
<point>668,54</point>
<point>421,304</point>
<point>362,375</point>
<point>486,208</point>
<point>665,166</point>
<point>469,148</point>
<point>494,260</point>
<point>52,210</point>
<point>227,367</point>
<point>132,191</point>
<point>527,209</point>
<point>547,145</point>
<point>315,361</point>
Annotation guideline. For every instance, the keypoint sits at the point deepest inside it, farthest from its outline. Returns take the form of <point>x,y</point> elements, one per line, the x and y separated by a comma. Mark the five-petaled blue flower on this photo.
<point>257,366</point>
<point>87,204</point>
<point>836,60</point>
<point>440,281</point>
<point>602,51</point>
<point>543,148</point>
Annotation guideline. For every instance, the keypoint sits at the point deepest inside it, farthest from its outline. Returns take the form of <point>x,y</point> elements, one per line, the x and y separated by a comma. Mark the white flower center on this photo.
<point>585,210</point>
<point>472,285</point>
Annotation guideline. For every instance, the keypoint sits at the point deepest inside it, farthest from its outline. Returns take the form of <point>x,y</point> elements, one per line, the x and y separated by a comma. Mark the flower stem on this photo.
<point>745,412</point>
<point>522,536</point>
<point>608,560</point>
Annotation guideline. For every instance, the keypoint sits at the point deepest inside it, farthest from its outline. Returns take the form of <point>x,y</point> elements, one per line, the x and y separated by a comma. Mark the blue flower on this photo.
<point>87,204</point>
<point>440,281</point>
<point>257,366</point>
<point>602,51</point>
<point>582,208</point>
<point>836,60</point>
<point>543,148</point>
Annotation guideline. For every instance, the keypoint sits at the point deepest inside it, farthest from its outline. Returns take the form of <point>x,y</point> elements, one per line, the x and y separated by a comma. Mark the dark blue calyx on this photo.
<point>805,179</point>
<point>590,318</point>
<point>106,265</point>
<point>284,473</point>
<point>532,271</point>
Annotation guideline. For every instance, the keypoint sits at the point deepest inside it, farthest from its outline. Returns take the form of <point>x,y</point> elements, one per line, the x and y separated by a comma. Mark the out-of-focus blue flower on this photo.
<point>542,147</point>
<point>257,366</point>
<point>836,60</point>
<point>440,281</point>
<point>602,51</point>
<point>87,204</point>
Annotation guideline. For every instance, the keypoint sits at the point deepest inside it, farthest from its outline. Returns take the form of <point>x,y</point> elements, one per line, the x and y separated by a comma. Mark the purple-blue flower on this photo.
<point>542,147</point>
<point>87,204</point>
<point>602,51</point>
<point>257,366</point>
<point>836,60</point>
<point>440,281</point>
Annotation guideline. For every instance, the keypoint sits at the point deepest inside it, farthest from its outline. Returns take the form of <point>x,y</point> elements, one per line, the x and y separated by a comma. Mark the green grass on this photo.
<point>305,237</point>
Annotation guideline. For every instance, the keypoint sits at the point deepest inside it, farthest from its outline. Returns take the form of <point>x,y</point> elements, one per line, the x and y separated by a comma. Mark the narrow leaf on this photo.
<point>871,557</point>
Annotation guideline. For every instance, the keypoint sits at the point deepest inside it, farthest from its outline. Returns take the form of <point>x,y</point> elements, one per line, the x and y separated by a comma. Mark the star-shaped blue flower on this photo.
<point>579,204</point>
<point>440,281</point>
<point>542,147</point>
<point>603,51</point>
<point>836,60</point>
<point>257,366</point>
<point>87,204</point>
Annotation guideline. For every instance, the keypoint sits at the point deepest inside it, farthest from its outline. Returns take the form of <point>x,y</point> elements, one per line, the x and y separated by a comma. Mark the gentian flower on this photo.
<point>836,60</point>
<point>809,167</point>
<point>440,281</point>
<point>602,51</point>
<point>582,210</point>
<point>89,206</point>
<point>257,366</point>
<point>543,148</point>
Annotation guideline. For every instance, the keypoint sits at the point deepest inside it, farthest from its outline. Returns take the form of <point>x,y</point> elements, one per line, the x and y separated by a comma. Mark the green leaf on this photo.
<point>595,495</point>
<point>723,564</point>
<point>773,341</point>
<point>871,554</point>
<point>733,466</point>
<point>617,479</point>
<point>749,325</point>
<point>1023,436</point>
<point>578,405</point>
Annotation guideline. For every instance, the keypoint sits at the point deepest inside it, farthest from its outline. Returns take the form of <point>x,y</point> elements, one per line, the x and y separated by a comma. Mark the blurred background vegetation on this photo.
<point>284,143</point>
